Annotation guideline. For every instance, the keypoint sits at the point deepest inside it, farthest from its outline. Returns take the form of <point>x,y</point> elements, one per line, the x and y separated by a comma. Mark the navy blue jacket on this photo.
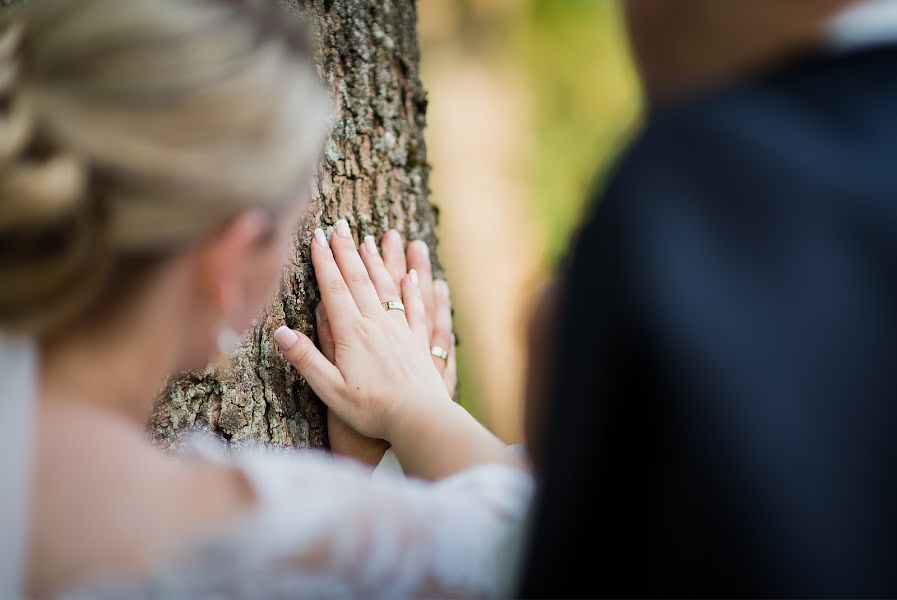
<point>724,416</point>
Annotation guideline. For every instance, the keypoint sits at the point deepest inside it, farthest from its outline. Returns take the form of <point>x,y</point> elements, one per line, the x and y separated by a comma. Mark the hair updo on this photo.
<point>130,128</point>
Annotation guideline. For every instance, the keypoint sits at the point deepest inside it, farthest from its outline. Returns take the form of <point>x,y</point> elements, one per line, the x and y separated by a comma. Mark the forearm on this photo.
<point>437,440</point>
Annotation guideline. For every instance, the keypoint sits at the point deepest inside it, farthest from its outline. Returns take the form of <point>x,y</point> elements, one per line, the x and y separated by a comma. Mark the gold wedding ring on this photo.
<point>439,352</point>
<point>394,305</point>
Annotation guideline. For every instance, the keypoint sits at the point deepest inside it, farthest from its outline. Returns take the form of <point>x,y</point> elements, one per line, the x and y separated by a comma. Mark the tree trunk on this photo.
<point>374,173</point>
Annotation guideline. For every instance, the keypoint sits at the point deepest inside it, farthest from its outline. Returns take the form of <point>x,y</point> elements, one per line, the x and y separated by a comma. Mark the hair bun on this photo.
<point>46,230</point>
<point>36,184</point>
<point>34,194</point>
<point>10,39</point>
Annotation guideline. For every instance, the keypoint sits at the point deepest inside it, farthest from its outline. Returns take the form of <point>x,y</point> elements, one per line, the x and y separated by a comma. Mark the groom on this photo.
<point>723,412</point>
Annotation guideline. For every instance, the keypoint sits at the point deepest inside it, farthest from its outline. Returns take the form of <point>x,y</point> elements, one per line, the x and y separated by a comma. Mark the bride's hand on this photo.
<point>344,440</point>
<point>382,368</point>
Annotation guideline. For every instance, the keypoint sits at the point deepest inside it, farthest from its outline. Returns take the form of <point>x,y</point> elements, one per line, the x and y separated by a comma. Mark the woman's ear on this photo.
<point>225,262</point>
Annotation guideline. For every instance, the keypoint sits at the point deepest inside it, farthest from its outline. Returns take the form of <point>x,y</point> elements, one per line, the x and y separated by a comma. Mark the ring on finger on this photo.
<point>393,305</point>
<point>439,352</point>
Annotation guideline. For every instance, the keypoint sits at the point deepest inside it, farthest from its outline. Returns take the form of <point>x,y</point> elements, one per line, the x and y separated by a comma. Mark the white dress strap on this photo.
<point>18,384</point>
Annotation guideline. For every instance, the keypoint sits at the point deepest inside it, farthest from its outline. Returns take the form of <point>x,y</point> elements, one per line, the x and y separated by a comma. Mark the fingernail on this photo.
<point>320,313</point>
<point>342,228</point>
<point>413,274</point>
<point>442,287</point>
<point>370,244</point>
<point>286,338</point>
<point>320,238</point>
<point>423,247</point>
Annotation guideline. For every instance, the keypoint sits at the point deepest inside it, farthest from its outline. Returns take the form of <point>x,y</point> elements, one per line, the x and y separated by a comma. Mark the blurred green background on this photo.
<point>530,103</point>
<point>586,99</point>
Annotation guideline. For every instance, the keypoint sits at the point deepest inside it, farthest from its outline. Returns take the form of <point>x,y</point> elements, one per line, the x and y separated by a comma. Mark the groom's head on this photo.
<point>682,46</point>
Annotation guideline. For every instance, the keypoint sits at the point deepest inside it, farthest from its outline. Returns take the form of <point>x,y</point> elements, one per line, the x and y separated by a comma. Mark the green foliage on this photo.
<point>586,100</point>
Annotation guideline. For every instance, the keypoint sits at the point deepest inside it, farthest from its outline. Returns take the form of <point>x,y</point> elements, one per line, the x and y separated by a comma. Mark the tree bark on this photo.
<point>374,173</point>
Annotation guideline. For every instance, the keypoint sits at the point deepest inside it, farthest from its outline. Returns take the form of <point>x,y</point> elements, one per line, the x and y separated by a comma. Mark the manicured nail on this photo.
<point>441,287</point>
<point>342,228</point>
<point>320,313</point>
<point>413,274</point>
<point>286,338</point>
<point>424,248</point>
<point>320,238</point>
<point>370,244</point>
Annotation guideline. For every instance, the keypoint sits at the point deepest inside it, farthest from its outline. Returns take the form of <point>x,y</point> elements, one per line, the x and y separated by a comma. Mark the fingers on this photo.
<point>353,271</point>
<point>380,276</point>
<point>442,323</point>
<point>335,295</point>
<point>414,308</point>
<point>419,260</point>
<point>394,256</point>
<point>325,335</point>
<point>323,377</point>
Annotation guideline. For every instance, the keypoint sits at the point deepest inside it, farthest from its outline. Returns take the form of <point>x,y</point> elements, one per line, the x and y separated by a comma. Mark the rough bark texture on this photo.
<point>374,173</point>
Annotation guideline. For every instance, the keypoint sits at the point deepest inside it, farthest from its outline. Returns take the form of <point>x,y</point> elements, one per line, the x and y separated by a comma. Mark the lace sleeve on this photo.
<point>324,528</point>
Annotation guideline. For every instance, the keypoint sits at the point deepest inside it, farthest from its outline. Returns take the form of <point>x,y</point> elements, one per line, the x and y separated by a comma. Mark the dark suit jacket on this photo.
<point>724,419</point>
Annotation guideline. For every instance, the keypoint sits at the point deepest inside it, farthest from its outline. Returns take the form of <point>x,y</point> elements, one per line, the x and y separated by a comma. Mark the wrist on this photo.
<point>416,415</point>
<point>433,440</point>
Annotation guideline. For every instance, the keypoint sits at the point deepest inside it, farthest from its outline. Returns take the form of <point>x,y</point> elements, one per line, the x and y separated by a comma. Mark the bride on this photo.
<point>151,158</point>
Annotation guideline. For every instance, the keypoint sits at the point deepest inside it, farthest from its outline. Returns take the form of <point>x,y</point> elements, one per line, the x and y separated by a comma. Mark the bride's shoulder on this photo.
<point>106,503</point>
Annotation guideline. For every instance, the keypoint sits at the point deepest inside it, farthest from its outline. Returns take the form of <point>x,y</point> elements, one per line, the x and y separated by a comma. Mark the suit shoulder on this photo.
<point>806,121</point>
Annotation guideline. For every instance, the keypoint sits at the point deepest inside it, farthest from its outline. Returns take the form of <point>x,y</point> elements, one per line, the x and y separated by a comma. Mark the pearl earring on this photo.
<point>228,341</point>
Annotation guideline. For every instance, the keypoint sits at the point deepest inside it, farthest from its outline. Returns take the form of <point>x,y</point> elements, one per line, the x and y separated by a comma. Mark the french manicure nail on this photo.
<point>320,238</point>
<point>370,244</point>
<point>413,274</point>
<point>285,337</point>
<point>423,247</point>
<point>342,228</point>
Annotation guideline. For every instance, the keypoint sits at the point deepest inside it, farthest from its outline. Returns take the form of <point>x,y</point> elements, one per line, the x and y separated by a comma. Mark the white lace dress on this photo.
<point>325,528</point>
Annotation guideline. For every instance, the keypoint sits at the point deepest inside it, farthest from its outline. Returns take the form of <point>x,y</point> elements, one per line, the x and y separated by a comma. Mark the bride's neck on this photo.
<point>120,370</point>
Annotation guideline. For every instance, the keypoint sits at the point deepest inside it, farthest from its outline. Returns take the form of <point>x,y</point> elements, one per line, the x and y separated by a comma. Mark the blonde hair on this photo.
<point>130,128</point>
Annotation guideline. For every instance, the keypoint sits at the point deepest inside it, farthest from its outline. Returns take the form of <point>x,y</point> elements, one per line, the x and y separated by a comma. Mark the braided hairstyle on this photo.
<point>131,128</point>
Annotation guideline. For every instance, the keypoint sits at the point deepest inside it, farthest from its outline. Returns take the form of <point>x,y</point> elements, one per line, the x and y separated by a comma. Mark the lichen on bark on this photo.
<point>374,173</point>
